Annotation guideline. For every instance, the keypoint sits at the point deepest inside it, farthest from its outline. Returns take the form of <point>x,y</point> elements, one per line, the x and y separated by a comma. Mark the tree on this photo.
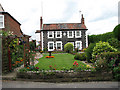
<point>68,47</point>
<point>116,32</point>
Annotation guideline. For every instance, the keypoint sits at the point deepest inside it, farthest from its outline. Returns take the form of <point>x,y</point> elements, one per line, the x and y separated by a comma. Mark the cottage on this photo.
<point>55,36</point>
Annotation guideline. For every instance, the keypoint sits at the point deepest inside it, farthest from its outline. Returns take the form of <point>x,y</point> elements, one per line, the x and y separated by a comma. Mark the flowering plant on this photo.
<point>75,64</point>
<point>49,56</point>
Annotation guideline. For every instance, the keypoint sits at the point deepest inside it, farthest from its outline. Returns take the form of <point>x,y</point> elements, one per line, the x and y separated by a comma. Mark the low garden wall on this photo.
<point>66,76</point>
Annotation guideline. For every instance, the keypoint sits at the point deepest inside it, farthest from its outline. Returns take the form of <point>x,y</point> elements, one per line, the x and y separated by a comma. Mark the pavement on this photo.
<point>25,84</point>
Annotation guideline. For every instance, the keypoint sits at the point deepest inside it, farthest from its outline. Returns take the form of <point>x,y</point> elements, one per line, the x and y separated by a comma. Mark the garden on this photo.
<point>103,54</point>
<point>99,61</point>
<point>60,62</point>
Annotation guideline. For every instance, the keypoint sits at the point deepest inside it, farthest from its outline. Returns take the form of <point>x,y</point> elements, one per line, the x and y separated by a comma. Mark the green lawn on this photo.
<point>60,62</point>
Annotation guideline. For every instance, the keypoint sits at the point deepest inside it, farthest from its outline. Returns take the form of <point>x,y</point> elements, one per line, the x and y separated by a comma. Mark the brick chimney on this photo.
<point>41,23</point>
<point>82,20</point>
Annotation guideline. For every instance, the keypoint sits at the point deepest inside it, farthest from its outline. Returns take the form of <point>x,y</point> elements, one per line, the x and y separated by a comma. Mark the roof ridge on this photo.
<point>62,23</point>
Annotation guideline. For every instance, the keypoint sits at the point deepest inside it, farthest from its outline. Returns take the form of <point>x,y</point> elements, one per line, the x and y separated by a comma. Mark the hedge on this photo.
<point>100,37</point>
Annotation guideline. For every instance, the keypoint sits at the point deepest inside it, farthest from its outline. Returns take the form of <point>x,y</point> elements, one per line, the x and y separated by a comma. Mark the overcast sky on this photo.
<point>100,15</point>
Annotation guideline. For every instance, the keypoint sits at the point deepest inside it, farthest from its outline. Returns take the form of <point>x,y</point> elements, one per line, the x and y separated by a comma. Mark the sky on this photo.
<point>101,16</point>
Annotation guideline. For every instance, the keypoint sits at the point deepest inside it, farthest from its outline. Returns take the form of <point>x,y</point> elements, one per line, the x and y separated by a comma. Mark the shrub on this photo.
<point>109,56</point>
<point>102,47</point>
<point>89,51</point>
<point>45,49</point>
<point>116,73</point>
<point>109,61</point>
<point>68,47</point>
<point>80,56</point>
<point>101,64</point>
<point>116,32</point>
<point>114,42</point>
<point>73,52</point>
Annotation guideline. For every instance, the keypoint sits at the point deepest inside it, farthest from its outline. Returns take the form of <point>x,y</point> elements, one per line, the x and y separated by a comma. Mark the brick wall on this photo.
<point>11,25</point>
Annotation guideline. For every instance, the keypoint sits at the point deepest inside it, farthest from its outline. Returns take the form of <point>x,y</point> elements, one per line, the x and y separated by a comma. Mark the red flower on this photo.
<point>113,64</point>
<point>76,63</point>
<point>50,66</point>
<point>37,67</point>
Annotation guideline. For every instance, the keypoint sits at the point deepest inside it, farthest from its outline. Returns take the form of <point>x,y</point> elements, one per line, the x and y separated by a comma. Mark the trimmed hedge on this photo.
<point>114,42</point>
<point>100,37</point>
<point>116,32</point>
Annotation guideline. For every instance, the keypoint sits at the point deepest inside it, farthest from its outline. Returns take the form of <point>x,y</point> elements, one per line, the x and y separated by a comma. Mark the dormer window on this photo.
<point>77,34</point>
<point>58,34</point>
<point>70,34</point>
<point>1,21</point>
<point>50,34</point>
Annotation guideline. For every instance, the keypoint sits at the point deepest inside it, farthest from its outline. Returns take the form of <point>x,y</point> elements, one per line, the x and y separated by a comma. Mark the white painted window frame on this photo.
<point>86,39</point>
<point>80,48</point>
<point>76,34</point>
<point>52,34</point>
<point>53,46</point>
<point>2,22</point>
<point>72,34</point>
<point>60,34</point>
<point>42,40</point>
<point>60,43</point>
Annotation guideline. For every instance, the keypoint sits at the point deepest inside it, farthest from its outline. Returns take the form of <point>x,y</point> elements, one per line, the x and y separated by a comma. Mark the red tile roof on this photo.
<point>60,26</point>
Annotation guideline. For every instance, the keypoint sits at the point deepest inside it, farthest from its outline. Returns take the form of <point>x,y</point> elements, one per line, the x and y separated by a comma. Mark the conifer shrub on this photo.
<point>89,51</point>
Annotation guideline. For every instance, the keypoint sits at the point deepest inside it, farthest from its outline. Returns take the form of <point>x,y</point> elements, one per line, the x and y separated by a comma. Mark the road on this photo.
<point>26,84</point>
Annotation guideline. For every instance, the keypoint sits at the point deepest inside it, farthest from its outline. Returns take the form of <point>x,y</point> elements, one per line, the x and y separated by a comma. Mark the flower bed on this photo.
<point>49,56</point>
<point>17,63</point>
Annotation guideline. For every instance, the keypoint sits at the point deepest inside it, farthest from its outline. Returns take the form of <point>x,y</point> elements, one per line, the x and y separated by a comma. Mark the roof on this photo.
<point>1,8</point>
<point>3,12</point>
<point>10,16</point>
<point>60,26</point>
